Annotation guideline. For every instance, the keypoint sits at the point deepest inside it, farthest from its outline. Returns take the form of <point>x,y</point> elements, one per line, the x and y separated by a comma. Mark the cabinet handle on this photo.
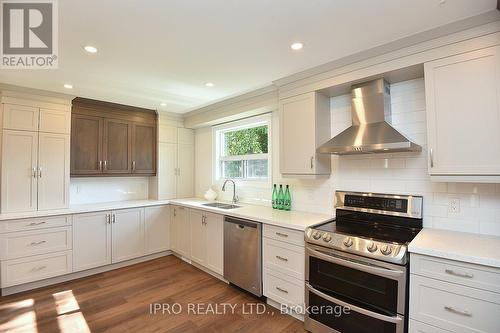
<point>36,223</point>
<point>460,312</point>
<point>175,212</point>
<point>40,172</point>
<point>114,218</point>
<point>34,172</point>
<point>38,268</point>
<point>108,219</point>
<point>100,165</point>
<point>282,290</point>
<point>431,156</point>
<point>281,234</point>
<point>37,243</point>
<point>133,165</point>
<point>312,162</point>
<point>464,275</point>
<point>281,258</point>
<point>105,165</point>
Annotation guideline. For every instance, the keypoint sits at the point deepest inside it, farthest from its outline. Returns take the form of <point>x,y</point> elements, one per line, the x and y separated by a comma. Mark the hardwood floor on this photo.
<point>120,301</point>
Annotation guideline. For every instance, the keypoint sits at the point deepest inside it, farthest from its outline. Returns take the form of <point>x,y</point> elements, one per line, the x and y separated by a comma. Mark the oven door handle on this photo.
<point>398,320</point>
<point>355,265</point>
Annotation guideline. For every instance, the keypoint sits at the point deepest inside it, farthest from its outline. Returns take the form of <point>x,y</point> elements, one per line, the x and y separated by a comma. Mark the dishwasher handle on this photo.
<point>241,224</point>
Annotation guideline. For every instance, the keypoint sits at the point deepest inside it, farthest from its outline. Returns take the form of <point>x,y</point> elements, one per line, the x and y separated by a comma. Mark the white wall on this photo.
<point>404,173</point>
<point>107,189</point>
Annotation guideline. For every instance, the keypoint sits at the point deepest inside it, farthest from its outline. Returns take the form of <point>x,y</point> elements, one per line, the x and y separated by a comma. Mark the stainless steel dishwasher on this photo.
<point>243,254</point>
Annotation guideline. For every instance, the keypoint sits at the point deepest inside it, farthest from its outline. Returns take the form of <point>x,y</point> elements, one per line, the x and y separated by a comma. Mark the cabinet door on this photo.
<point>20,117</point>
<point>185,171</point>
<point>128,234</point>
<point>86,145</point>
<point>117,150</point>
<point>463,113</point>
<point>167,171</point>
<point>91,240</point>
<point>55,121</point>
<point>167,134</point>
<point>198,236</point>
<point>182,232</point>
<point>19,175</point>
<point>157,226</point>
<point>53,171</point>
<point>143,149</point>
<point>214,225</point>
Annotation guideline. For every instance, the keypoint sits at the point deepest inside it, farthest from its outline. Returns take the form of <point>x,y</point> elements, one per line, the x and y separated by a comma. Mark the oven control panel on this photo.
<point>390,252</point>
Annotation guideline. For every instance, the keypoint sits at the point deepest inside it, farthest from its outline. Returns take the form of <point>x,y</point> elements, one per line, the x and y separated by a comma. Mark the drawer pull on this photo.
<point>464,275</point>
<point>281,234</point>
<point>281,258</point>
<point>37,243</point>
<point>36,223</point>
<point>282,290</point>
<point>38,268</point>
<point>460,312</point>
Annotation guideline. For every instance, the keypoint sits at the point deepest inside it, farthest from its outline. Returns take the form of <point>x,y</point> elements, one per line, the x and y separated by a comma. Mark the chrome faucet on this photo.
<point>235,197</point>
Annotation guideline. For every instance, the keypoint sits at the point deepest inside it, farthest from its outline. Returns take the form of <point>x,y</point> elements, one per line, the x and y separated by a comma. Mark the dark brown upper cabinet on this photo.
<point>110,139</point>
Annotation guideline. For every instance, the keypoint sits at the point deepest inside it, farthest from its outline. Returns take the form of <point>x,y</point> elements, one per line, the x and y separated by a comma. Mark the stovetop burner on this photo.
<point>372,225</point>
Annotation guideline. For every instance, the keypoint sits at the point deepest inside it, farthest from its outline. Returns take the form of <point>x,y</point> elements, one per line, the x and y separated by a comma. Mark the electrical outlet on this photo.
<point>454,206</point>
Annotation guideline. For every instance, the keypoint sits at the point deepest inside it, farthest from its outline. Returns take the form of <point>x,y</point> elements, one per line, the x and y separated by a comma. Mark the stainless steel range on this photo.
<point>359,262</point>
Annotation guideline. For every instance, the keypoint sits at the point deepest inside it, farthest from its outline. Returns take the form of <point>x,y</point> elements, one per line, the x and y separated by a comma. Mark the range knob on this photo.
<point>372,247</point>
<point>317,235</point>
<point>327,237</point>
<point>348,242</point>
<point>386,250</point>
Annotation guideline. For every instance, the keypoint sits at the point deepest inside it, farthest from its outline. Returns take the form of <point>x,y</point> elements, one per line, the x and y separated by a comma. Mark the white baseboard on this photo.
<point>77,275</point>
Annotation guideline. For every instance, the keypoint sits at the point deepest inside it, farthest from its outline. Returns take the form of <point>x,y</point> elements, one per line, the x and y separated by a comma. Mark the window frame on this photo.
<point>218,148</point>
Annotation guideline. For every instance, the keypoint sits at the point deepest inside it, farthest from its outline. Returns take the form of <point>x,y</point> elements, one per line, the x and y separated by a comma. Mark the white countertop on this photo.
<point>77,209</point>
<point>267,215</point>
<point>460,246</point>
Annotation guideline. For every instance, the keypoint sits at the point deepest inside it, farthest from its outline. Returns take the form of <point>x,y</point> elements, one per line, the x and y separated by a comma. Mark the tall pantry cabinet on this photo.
<point>35,152</point>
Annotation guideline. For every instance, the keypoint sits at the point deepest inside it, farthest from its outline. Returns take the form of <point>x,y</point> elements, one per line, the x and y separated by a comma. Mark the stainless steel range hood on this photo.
<point>371,131</point>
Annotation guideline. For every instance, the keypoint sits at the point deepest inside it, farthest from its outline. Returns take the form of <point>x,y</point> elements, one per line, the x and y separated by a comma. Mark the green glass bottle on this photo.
<point>288,199</point>
<point>275,197</point>
<point>281,198</point>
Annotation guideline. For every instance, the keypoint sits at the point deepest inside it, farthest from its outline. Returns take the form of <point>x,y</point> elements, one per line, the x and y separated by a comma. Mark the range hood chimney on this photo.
<point>371,131</point>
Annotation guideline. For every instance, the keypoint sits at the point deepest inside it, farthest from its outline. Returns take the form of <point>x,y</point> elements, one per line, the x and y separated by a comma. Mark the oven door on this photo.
<point>328,314</point>
<point>373,289</point>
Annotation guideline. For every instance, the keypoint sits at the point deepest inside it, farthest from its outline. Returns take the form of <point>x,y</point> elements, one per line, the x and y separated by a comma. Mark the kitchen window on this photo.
<point>242,149</point>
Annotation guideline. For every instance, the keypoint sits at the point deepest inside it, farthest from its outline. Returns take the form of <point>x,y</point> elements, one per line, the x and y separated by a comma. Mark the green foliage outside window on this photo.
<point>246,141</point>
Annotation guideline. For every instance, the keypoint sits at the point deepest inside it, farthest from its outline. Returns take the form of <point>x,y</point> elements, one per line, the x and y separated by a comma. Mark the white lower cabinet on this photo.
<point>157,228</point>
<point>127,234</point>
<point>207,240</point>
<point>283,265</point>
<point>180,235</point>
<point>447,295</point>
<point>91,240</point>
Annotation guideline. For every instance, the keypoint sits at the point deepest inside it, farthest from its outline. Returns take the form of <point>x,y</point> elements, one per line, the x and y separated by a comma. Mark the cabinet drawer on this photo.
<point>284,257</point>
<point>476,276</point>
<point>283,289</point>
<point>18,271</point>
<point>28,243</point>
<point>284,234</point>
<point>453,307</point>
<point>418,327</point>
<point>34,223</point>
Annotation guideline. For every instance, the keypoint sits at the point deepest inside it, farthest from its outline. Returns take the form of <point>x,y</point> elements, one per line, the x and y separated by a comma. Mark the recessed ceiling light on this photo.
<point>296,46</point>
<point>68,86</point>
<point>163,104</point>
<point>209,84</point>
<point>90,49</point>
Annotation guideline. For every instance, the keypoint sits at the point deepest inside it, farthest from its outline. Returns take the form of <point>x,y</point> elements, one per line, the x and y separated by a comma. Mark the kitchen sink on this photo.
<point>221,205</point>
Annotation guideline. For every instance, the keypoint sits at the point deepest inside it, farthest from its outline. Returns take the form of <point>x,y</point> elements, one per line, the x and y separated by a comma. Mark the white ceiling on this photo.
<point>164,51</point>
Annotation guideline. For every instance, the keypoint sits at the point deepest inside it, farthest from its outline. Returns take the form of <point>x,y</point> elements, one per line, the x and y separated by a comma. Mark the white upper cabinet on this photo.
<point>185,171</point>
<point>157,228</point>
<point>19,171</point>
<point>304,125</point>
<point>53,171</point>
<point>463,116</point>
<point>167,170</point>
<point>20,117</point>
<point>55,121</point>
